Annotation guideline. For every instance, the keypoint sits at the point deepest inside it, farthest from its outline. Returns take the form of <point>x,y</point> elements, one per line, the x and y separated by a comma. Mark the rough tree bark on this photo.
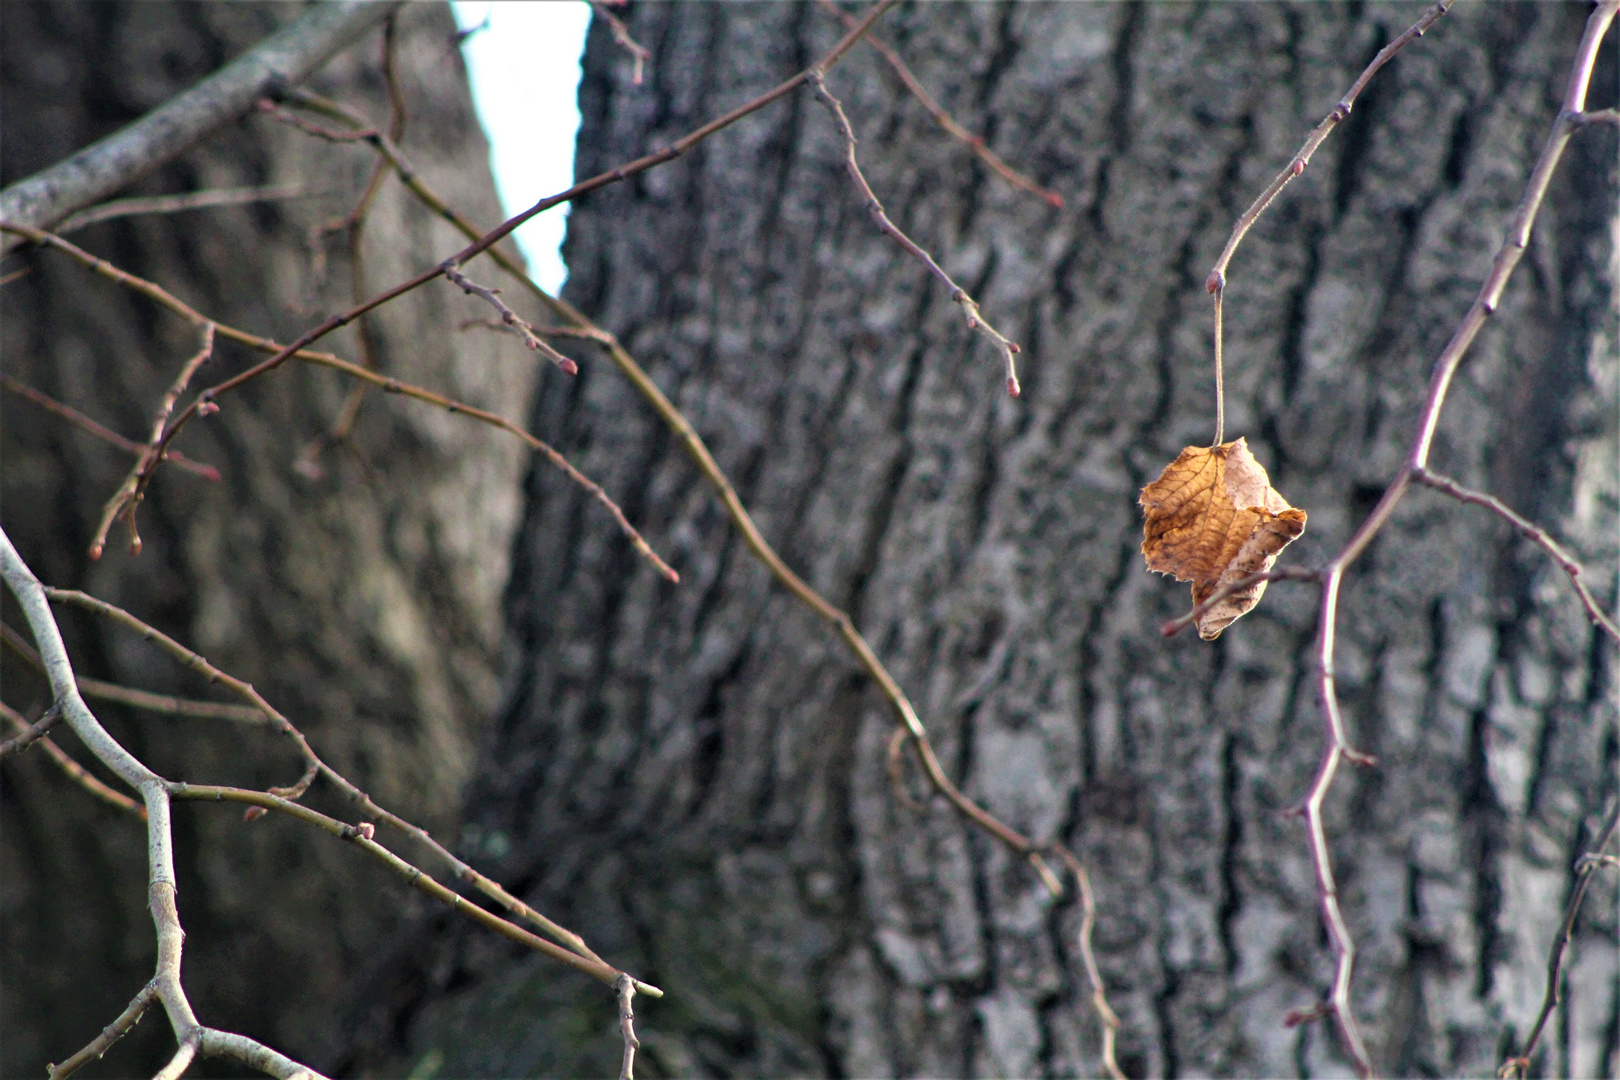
<point>693,777</point>
<point>364,603</point>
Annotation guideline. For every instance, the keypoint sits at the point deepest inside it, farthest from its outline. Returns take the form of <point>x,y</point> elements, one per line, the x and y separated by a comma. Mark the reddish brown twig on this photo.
<point>105,434</point>
<point>1445,368</point>
<point>353,224</point>
<point>1585,866</point>
<point>621,37</point>
<point>1562,557</point>
<point>510,318</point>
<point>206,400</point>
<point>129,494</point>
<point>910,729</point>
<point>1215,284</point>
<point>945,119</point>
<point>959,295</point>
<point>1318,135</point>
<point>544,331</point>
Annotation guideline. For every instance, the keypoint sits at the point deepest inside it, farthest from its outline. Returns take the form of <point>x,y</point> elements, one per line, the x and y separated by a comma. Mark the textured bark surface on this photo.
<point>693,776</point>
<point>365,604</point>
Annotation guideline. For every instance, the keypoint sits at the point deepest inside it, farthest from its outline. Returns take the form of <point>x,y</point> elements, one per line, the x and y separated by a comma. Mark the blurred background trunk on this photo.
<point>362,598</point>
<point>693,776</point>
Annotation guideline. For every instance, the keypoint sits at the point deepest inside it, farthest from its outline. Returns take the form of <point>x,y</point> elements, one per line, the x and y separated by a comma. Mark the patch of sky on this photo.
<point>524,69</point>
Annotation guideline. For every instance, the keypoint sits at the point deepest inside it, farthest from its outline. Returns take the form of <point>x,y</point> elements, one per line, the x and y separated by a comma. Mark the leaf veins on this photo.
<point>1212,518</point>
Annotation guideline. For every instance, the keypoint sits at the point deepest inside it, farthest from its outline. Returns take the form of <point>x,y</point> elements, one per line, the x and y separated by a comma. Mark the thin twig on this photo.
<point>1220,368</point>
<point>30,733</point>
<point>361,836</point>
<point>1217,276</point>
<point>175,204</point>
<point>371,810</point>
<point>72,769</point>
<point>510,318</point>
<point>128,496</point>
<point>205,401</point>
<point>105,434</point>
<point>626,987</point>
<point>959,295</point>
<point>139,699</point>
<point>1088,958</point>
<point>1562,557</point>
<point>1215,283</point>
<point>910,729</point>
<point>110,1034</point>
<point>391,385</point>
<point>1445,368</point>
<point>943,118</point>
<point>1519,1064</point>
<point>622,38</point>
<point>1172,627</point>
<point>308,462</point>
<point>573,332</point>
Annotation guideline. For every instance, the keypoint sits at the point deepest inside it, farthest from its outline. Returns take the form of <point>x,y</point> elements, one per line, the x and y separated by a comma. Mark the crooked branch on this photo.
<point>1585,866</point>
<point>1525,528</point>
<point>1451,357</point>
<point>943,118</point>
<point>959,295</point>
<point>101,431</point>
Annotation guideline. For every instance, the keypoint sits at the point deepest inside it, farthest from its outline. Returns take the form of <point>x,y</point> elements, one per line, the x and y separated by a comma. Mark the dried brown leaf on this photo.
<point>1214,518</point>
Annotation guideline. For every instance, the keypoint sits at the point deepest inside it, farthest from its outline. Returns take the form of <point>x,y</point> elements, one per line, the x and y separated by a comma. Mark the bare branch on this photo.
<point>621,37</point>
<point>510,318</point>
<point>1445,367</point>
<point>1563,558</point>
<point>1519,1065</point>
<point>73,770</point>
<point>943,118</point>
<point>129,494</point>
<point>205,401</point>
<point>110,1034</point>
<point>959,295</point>
<point>910,728</point>
<point>30,732</point>
<point>175,204</point>
<point>106,434</point>
<point>391,385</point>
<point>461,870</point>
<point>1318,135</point>
<point>283,59</point>
<point>626,987</point>
<point>361,836</point>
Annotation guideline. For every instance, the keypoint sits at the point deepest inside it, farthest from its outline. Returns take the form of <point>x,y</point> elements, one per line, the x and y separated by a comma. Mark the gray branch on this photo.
<point>283,59</point>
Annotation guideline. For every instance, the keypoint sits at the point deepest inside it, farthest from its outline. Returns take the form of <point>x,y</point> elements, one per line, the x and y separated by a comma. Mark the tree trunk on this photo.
<point>361,597</point>
<point>693,776</point>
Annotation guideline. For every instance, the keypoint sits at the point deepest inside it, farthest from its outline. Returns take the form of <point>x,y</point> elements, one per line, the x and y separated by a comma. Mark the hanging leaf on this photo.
<point>1213,518</point>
